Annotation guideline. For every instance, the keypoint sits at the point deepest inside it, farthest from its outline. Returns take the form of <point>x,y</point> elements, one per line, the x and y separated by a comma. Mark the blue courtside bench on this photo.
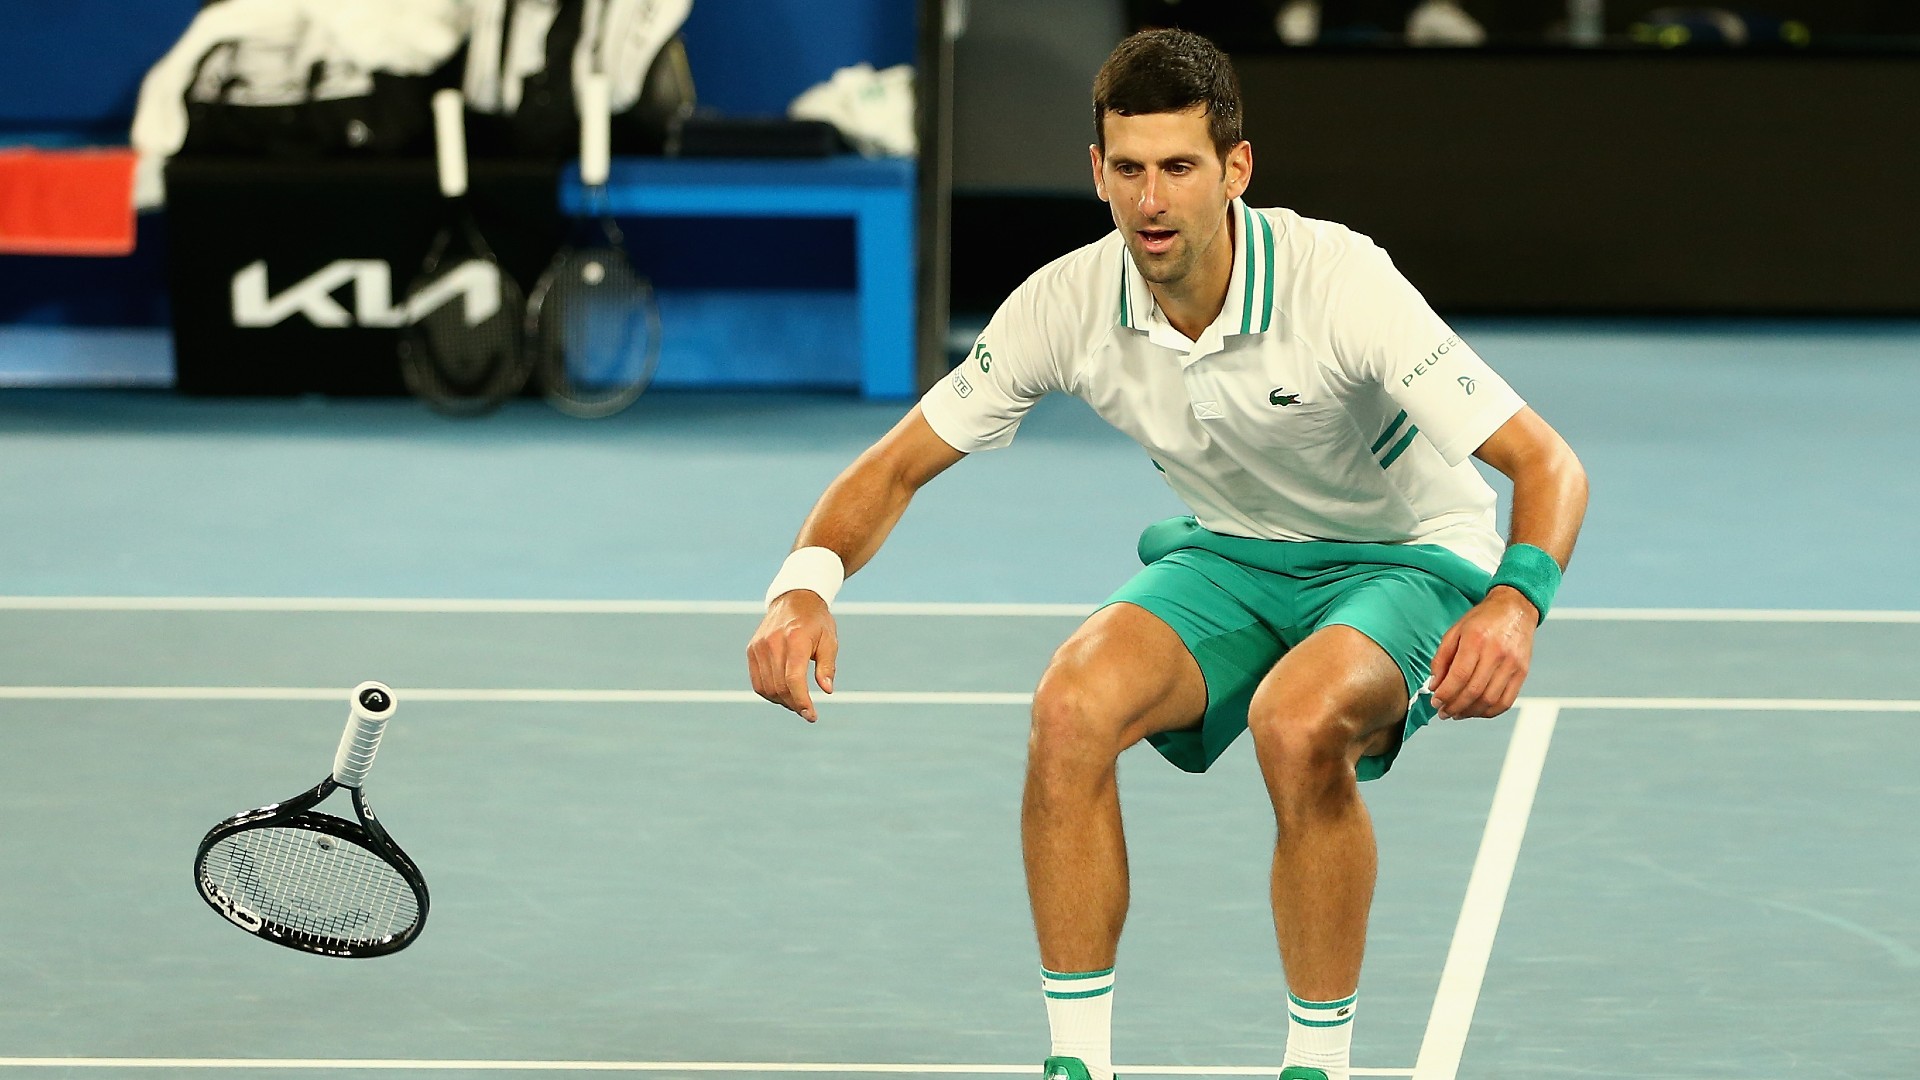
<point>877,195</point>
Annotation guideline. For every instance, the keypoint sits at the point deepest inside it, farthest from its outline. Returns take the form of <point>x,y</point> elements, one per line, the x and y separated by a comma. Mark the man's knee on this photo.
<point>1322,709</point>
<point>1305,729</point>
<point>1075,718</point>
<point>1123,678</point>
<point>1308,747</point>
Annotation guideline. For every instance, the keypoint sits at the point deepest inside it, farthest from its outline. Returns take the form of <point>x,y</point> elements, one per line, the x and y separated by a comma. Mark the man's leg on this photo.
<point>1124,675</point>
<point>1332,699</point>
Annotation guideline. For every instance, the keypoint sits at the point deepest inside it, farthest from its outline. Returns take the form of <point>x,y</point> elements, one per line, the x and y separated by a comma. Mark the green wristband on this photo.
<point>1532,573</point>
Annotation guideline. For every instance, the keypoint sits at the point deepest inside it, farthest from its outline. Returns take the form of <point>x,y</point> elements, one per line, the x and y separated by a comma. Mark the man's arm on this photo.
<point>1484,658</point>
<point>852,519</point>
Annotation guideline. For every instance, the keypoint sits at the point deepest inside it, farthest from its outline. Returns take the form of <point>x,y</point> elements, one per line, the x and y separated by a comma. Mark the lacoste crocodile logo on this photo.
<point>1282,398</point>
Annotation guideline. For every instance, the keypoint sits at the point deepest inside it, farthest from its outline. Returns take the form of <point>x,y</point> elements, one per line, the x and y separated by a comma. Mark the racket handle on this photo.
<point>595,124</point>
<point>370,707</point>
<point>450,141</point>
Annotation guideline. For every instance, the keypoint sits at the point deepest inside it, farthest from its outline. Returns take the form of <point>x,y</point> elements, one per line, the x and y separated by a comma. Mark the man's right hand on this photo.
<point>798,628</point>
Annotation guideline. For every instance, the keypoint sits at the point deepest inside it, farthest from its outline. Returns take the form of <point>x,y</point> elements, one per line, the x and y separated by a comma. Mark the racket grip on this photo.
<point>371,706</point>
<point>595,133</point>
<point>450,141</point>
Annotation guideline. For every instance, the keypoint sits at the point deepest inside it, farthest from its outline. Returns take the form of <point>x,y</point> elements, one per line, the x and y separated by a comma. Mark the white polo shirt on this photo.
<point>1326,402</point>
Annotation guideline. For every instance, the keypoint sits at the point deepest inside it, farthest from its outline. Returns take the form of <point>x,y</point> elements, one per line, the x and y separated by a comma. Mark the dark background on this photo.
<point>1524,177</point>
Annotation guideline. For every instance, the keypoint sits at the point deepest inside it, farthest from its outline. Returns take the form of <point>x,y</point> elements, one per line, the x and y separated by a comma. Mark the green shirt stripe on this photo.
<point>1124,321</point>
<point>1400,447</point>
<point>1266,318</point>
<point>1391,428</point>
<point>1246,248</point>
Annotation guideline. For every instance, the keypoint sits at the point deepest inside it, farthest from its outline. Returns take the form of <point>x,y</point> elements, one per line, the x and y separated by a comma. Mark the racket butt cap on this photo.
<point>370,706</point>
<point>373,700</point>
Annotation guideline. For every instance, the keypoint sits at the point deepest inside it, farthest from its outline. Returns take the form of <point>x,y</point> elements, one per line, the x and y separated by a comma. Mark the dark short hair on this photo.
<point>1158,71</point>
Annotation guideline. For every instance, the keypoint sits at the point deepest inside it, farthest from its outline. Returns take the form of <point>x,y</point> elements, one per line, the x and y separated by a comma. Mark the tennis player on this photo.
<point>1339,583</point>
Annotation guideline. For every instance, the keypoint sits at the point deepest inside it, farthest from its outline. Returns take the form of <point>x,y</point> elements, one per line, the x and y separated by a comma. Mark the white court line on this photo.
<point>428,605</point>
<point>538,696</point>
<point>1473,935</point>
<point>1761,615</point>
<point>406,1064</point>
<point>410,695</point>
<point>1688,704</point>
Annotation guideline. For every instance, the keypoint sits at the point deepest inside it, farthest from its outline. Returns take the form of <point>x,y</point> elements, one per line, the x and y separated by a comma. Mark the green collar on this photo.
<point>1249,290</point>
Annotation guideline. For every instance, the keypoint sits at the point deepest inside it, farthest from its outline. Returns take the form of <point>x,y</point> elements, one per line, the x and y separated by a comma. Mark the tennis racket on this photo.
<point>463,358</point>
<point>311,881</point>
<point>592,322</point>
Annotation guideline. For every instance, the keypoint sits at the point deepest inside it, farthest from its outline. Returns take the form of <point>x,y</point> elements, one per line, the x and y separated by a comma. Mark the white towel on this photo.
<point>873,109</point>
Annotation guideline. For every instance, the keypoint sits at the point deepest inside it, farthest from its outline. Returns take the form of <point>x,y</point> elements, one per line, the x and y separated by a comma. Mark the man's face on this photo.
<point>1168,188</point>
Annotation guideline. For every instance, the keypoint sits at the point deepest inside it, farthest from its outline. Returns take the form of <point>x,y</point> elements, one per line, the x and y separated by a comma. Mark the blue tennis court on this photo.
<point>1686,854</point>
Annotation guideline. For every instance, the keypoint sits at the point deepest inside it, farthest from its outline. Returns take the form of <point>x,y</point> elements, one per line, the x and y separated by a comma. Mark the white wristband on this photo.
<point>815,569</point>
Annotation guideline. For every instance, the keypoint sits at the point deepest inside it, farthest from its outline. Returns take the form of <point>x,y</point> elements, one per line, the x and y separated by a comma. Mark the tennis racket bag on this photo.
<point>308,78</point>
<point>526,59</point>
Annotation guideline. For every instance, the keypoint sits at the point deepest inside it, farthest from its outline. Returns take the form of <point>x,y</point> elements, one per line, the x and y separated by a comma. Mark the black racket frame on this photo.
<point>423,364</point>
<point>592,234</point>
<point>298,813</point>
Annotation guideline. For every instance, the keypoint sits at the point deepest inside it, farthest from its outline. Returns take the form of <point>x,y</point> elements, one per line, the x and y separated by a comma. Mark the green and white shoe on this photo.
<point>1301,1072</point>
<point>1066,1068</point>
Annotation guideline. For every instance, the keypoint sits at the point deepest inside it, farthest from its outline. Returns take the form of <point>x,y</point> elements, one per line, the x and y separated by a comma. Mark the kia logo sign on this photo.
<point>475,283</point>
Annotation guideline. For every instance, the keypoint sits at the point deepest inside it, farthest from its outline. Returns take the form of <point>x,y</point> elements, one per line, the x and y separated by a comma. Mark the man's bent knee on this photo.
<point>1069,722</point>
<point>1335,699</point>
<point>1123,676</point>
<point>1309,731</point>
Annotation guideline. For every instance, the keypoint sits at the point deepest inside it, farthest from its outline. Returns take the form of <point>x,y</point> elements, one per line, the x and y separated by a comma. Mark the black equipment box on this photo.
<point>291,277</point>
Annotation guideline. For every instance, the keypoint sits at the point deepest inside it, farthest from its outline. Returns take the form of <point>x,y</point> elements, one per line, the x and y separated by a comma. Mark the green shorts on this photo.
<point>1239,604</point>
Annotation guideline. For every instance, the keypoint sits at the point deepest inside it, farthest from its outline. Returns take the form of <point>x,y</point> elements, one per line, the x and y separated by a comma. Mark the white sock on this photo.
<point>1320,1035</point>
<point>1080,1015</point>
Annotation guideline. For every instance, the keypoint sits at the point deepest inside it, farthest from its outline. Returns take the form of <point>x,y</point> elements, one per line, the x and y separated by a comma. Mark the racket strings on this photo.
<point>464,350</point>
<point>470,354</point>
<point>597,334</point>
<point>313,883</point>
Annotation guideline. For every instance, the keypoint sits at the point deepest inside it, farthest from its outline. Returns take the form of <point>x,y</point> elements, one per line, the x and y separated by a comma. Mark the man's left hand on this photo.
<point>1484,659</point>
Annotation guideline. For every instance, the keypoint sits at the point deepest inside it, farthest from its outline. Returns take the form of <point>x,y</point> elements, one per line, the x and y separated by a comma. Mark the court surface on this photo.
<point>1689,853</point>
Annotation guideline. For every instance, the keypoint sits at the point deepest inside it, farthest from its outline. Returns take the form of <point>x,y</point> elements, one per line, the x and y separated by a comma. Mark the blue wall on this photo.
<point>753,57</point>
<point>77,64</point>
